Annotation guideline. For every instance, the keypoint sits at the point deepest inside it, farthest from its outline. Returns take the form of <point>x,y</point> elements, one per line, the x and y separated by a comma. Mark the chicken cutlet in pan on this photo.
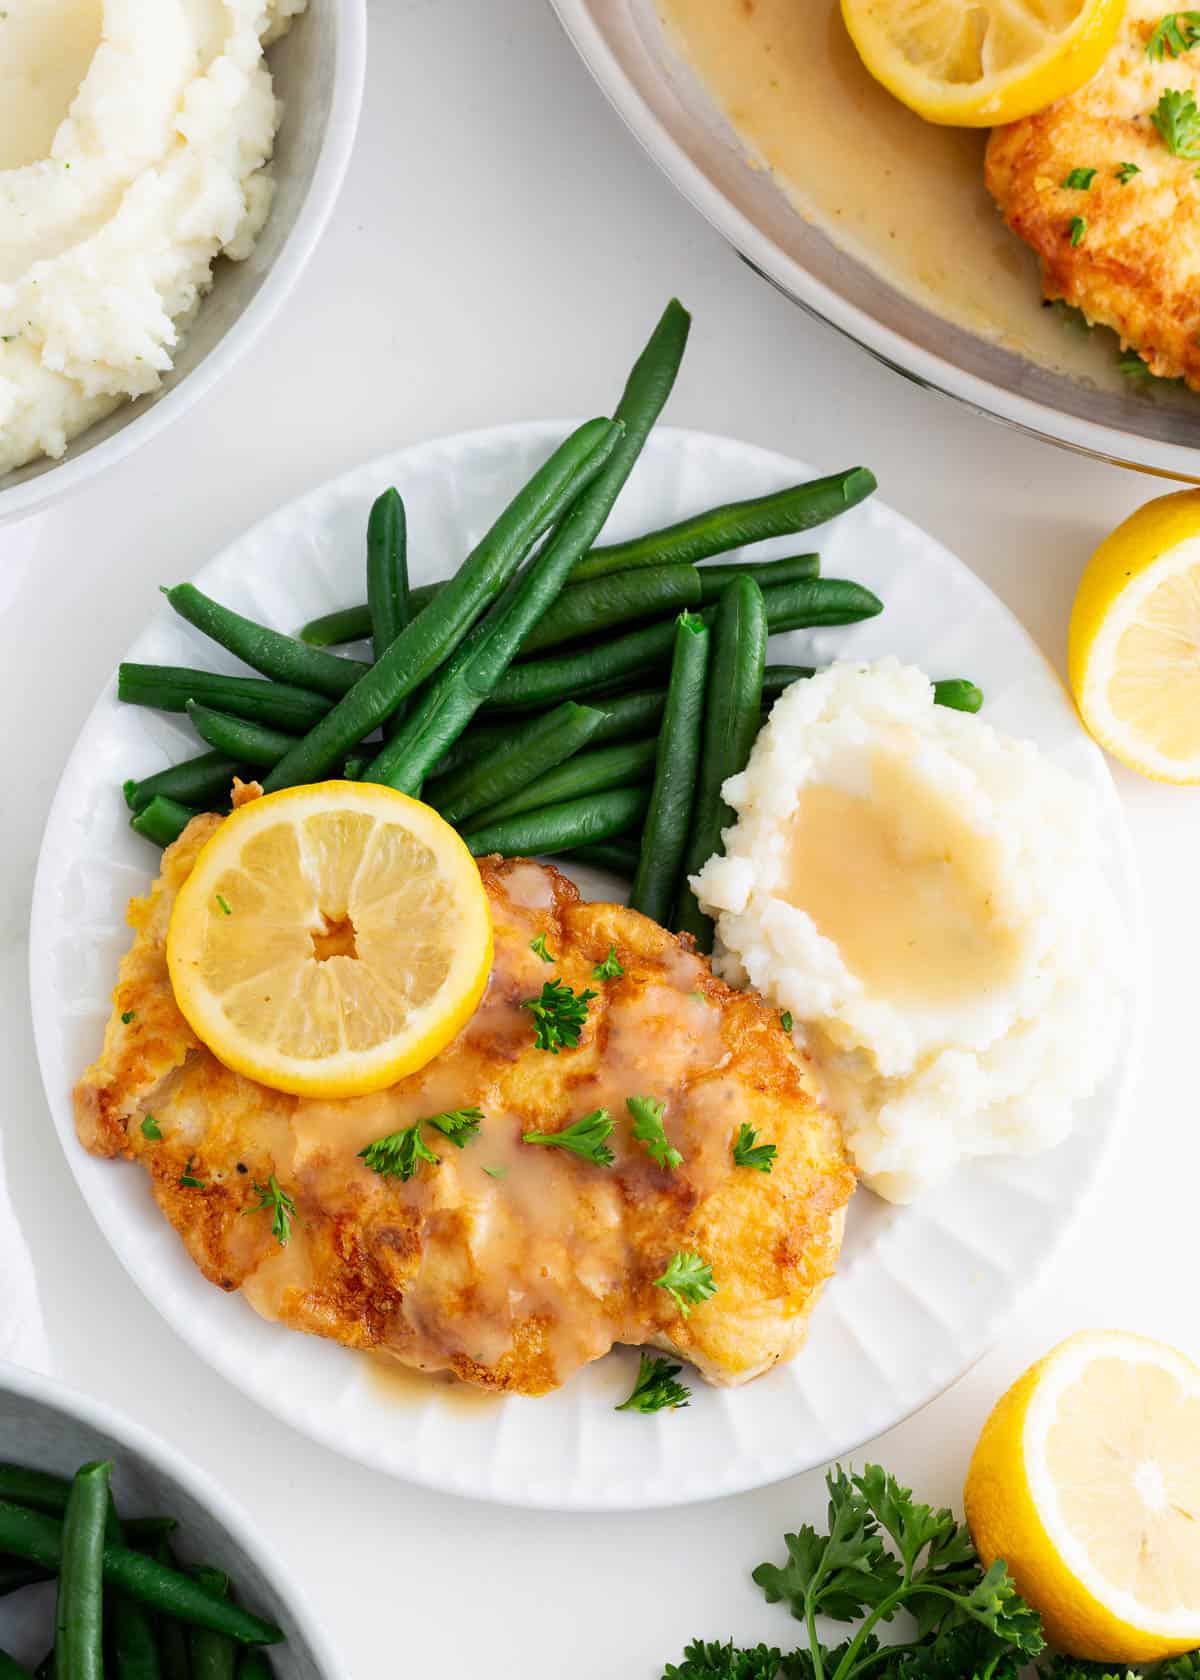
<point>1125,247</point>
<point>509,1264</point>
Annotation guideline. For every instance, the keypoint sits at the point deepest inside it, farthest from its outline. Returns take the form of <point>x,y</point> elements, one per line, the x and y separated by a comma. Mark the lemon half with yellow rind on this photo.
<point>979,63</point>
<point>1086,1480</point>
<point>330,939</point>
<point>1134,646</point>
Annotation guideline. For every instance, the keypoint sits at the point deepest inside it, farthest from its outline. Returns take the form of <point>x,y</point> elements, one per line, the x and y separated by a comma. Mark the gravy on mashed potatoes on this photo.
<point>927,897</point>
<point>134,142</point>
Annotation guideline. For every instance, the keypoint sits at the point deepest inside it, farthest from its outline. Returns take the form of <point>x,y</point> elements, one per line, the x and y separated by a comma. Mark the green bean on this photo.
<point>563,828</point>
<point>731,722</point>
<point>252,743</point>
<point>162,820</point>
<point>39,1538</point>
<point>253,1666</point>
<point>630,717</point>
<point>466,683</point>
<point>79,1609</point>
<point>45,1669</point>
<point>280,657</point>
<point>212,1653</point>
<point>203,782</point>
<point>387,580</point>
<point>172,1636</point>
<point>624,764</point>
<point>10,1669</point>
<point>145,1533</point>
<point>428,641</point>
<point>793,606</point>
<point>533,748</point>
<point>587,609</point>
<point>336,629</point>
<point>778,677</point>
<point>766,573</point>
<point>715,531</point>
<point>132,1642</point>
<point>958,694</point>
<point>353,624</point>
<point>168,688</point>
<point>15,1576</point>
<point>619,857</point>
<point>36,1488</point>
<point>672,798</point>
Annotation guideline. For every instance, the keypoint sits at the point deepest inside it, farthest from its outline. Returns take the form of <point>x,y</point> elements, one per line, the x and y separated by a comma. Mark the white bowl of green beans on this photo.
<point>150,1571</point>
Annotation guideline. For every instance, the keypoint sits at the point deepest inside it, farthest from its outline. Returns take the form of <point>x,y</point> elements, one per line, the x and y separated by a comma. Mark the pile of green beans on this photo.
<point>552,696</point>
<point>123,1605</point>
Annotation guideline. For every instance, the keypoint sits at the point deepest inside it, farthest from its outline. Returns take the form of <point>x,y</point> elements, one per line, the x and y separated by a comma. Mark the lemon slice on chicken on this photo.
<point>330,939</point>
<point>1086,1479</point>
<point>978,63</point>
<point>1135,640</point>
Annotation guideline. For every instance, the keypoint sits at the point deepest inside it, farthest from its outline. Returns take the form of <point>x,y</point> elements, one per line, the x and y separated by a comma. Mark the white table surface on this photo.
<point>501,248</point>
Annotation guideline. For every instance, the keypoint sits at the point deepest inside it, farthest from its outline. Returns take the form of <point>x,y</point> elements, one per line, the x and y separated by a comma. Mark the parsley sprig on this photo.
<point>610,968</point>
<point>559,1015</point>
<point>648,1129</point>
<point>399,1154</point>
<point>1172,35</point>
<point>1178,121</point>
<point>540,949</point>
<point>748,1152</point>
<point>280,1205</point>
<point>584,1137</point>
<point>656,1387</point>
<point>688,1280</point>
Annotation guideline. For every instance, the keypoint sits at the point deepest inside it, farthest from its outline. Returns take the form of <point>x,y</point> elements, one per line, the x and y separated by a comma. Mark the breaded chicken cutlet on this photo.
<point>510,1264</point>
<point>1126,248</point>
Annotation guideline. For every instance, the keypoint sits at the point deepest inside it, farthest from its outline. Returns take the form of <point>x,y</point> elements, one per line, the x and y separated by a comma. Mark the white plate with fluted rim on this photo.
<point>921,1291</point>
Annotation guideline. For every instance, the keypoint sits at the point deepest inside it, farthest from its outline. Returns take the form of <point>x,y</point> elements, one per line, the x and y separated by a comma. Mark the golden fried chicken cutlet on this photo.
<point>511,1264</point>
<point>1134,264</point>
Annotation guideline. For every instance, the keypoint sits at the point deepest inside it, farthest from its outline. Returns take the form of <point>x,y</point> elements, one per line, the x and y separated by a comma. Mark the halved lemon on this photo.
<point>1086,1480</point>
<point>330,939</point>
<point>1134,649</point>
<point>977,63</point>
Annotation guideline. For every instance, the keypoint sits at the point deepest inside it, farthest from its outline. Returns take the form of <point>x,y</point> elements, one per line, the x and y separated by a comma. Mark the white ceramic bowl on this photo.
<point>49,1427</point>
<point>318,69</point>
<point>624,46</point>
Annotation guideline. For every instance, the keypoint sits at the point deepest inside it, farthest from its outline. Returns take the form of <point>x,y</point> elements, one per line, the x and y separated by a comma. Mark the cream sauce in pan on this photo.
<point>903,196</point>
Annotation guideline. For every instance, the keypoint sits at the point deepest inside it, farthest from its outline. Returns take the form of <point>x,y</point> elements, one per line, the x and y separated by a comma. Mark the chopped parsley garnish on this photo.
<point>748,1152</point>
<point>559,1016</point>
<point>584,1138</point>
<point>399,1154</point>
<point>785,1020</point>
<point>1178,121</point>
<point>223,905</point>
<point>496,1172</point>
<point>1173,34</point>
<point>150,1129</point>
<point>186,1179</point>
<point>1079,180</point>
<point>610,968</point>
<point>281,1206</point>
<point>127,1016</point>
<point>648,1130</point>
<point>460,1125</point>
<point>655,1387</point>
<point>688,1280</point>
<point>1077,229</point>
<point>538,947</point>
<point>1126,173</point>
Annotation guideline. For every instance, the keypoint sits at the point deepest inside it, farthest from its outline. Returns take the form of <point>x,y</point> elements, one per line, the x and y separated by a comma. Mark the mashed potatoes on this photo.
<point>134,138</point>
<point>926,897</point>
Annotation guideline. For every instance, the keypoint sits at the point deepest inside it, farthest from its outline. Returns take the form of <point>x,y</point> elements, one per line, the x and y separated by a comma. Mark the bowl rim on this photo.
<point>52,1392</point>
<point>932,372</point>
<point>337,145</point>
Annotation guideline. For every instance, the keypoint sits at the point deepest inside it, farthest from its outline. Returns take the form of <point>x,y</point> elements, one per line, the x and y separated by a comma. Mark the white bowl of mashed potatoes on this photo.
<point>166,168</point>
<point>926,898</point>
